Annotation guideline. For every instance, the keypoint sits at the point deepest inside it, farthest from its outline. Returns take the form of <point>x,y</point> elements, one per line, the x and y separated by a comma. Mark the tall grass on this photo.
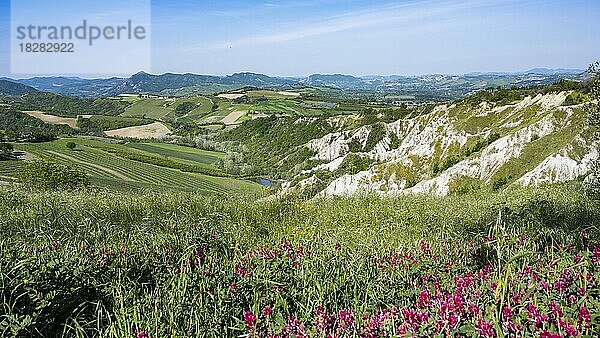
<point>100,263</point>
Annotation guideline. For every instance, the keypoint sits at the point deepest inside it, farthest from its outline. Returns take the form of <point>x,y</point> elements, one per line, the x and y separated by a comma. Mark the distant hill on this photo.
<point>164,84</point>
<point>9,88</point>
<point>335,80</point>
<point>431,87</point>
<point>73,86</point>
<point>548,71</point>
<point>171,83</point>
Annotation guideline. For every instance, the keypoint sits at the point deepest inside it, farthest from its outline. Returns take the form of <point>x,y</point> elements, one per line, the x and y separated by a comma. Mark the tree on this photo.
<point>6,149</point>
<point>71,145</point>
<point>48,175</point>
<point>592,182</point>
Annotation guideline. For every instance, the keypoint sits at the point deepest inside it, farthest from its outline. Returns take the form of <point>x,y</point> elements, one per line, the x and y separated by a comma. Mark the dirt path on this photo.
<point>99,167</point>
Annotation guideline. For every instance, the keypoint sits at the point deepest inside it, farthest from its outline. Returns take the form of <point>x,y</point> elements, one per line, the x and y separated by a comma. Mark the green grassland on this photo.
<point>159,108</point>
<point>110,169</point>
<point>151,108</point>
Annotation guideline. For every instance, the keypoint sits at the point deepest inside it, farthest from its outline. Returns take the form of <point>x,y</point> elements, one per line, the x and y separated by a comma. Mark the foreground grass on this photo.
<point>176,264</point>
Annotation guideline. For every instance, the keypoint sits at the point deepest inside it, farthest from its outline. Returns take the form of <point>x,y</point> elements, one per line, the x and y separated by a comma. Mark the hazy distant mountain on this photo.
<point>73,86</point>
<point>432,86</point>
<point>547,71</point>
<point>170,83</point>
<point>9,88</point>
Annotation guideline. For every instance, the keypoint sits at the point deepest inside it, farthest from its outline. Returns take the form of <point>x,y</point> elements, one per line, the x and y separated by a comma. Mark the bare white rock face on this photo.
<point>423,136</point>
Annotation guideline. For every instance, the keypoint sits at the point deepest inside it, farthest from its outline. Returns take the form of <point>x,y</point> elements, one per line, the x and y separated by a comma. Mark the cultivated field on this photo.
<point>232,117</point>
<point>112,165</point>
<point>154,130</point>
<point>231,96</point>
<point>180,152</point>
<point>52,119</point>
<point>151,108</point>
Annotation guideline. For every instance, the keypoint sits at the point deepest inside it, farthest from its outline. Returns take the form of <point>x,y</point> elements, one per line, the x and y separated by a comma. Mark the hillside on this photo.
<point>137,166</point>
<point>542,138</point>
<point>8,88</point>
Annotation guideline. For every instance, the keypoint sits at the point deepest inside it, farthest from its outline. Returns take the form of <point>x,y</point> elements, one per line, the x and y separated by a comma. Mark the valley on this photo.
<point>311,143</point>
<point>298,209</point>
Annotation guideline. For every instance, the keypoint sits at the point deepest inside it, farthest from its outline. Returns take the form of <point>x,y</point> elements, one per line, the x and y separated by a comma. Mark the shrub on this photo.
<point>575,98</point>
<point>71,145</point>
<point>499,183</point>
<point>395,141</point>
<point>6,149</point>
<point>353,164</point>
<point>354,146</point>
<point>375,135</point>
<point>48,175</point>
<point>463,185</point>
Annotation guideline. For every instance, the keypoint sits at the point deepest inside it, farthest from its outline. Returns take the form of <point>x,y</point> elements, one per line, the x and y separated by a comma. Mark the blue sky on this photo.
<point>300,37</point>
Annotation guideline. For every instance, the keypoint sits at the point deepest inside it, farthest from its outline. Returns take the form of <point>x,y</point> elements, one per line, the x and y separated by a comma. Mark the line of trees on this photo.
<point>593,180</point>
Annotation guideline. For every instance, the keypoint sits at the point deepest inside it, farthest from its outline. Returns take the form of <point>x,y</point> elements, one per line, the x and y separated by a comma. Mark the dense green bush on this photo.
<point>353,164</point>
<point>376,134</point>
<point>48,175</point>
<point>270,143</point>
<point>498,95</point>
<point>499,183</point>
<point>576,98</point>
<point>6,149</point>
<point>355,146</point>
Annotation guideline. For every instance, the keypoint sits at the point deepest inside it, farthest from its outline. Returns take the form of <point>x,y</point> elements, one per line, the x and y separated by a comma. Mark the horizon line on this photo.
<point>94,77</point>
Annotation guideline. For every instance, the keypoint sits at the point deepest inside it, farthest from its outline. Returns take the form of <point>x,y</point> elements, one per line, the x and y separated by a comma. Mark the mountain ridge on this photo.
<point>182,84</point>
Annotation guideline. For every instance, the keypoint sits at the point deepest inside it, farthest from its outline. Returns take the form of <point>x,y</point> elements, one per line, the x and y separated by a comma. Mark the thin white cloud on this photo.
<point>401,13</point>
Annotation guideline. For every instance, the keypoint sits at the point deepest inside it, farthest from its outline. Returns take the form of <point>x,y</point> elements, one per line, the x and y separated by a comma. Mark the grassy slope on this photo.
<point>180,152</point>
<point>165,109</point>
<point>148,108</point>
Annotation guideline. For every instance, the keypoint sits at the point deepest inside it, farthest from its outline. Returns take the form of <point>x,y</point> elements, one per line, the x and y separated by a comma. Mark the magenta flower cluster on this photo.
<point>552,296</point>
